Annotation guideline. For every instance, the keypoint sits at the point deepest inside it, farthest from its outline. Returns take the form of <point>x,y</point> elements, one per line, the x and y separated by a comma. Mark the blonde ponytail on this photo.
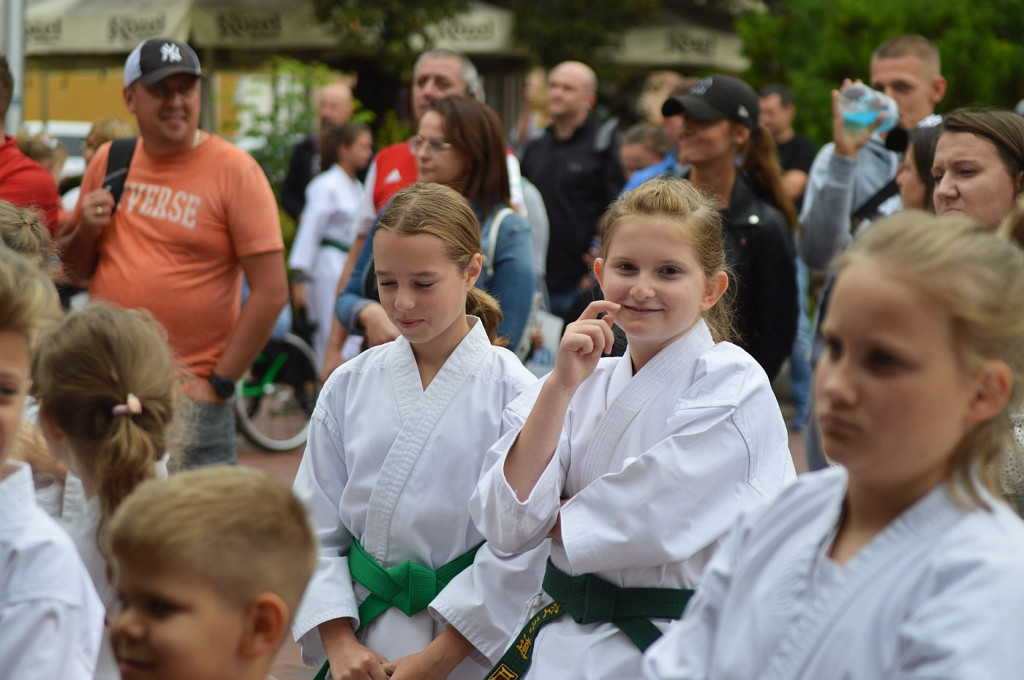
<point>83,373</point>
<point>480,303</point>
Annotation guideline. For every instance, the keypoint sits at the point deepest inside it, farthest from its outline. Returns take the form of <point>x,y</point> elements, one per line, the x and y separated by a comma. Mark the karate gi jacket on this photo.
<point>656,467</point>
<point>393,465</point>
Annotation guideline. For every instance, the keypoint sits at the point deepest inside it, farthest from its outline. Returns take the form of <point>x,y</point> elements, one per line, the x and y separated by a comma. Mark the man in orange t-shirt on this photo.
<point>195,214</point>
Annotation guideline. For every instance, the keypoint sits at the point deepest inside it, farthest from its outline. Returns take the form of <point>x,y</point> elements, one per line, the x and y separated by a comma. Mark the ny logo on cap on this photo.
<point>702,86</point>
<point>742,112</point>
<point>170,52</point>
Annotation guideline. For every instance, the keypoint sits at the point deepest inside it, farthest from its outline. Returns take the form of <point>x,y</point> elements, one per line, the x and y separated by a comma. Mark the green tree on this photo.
<point>273,133</point>
<point>391,31</point>
<point>811,45</point>
<point>558,30</point>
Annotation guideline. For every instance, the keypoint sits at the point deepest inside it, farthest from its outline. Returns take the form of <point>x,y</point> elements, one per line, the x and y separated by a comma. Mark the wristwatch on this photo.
<point>222,386</point>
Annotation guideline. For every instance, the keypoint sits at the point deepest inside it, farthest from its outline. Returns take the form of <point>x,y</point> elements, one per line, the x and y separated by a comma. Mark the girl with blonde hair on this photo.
<point>105,382</point>
<point>634,466</point>
<point>901,561</point>
<point>396,445</point>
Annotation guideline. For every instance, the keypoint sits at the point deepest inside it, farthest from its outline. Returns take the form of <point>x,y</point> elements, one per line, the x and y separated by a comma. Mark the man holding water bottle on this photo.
<point>853,178</point>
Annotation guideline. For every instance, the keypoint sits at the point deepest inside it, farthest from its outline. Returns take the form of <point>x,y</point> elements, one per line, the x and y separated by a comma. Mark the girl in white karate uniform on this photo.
<point>903,562</point>
<point>396,446</point>
<point>636,465</point>
<point>105,381</point>
<point>51,621</point>
<point>327,226</point>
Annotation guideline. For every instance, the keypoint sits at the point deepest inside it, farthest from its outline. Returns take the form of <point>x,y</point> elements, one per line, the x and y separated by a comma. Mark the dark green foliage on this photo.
<point>811,45</point>
<point>390,30</point>
<point>557,30</point>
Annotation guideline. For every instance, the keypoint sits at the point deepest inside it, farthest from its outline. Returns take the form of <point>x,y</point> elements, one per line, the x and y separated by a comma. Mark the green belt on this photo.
<point>409,587</point>
<point>331,243</point>
<point>590,599</point>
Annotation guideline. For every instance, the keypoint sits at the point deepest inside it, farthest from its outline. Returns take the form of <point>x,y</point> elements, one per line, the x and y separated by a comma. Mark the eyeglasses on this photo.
<point>418,143</point>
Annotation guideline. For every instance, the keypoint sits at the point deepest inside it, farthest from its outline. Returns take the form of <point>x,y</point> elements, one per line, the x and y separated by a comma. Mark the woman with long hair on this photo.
<point>733,159</point>
<point>459,143</point>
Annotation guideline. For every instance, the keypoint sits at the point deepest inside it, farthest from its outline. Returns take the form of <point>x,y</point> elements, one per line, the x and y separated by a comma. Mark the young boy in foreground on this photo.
<point>209,567</point>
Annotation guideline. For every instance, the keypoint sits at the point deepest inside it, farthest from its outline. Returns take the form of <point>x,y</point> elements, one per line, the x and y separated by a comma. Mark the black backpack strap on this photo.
<point>871,205</point>
<point>118,160</point>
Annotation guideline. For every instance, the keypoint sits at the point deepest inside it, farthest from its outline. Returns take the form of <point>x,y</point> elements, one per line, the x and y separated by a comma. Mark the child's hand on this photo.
<point>437,660</point>
<point>583,343</point>
<point>358,662</point>
<point>415,667</point>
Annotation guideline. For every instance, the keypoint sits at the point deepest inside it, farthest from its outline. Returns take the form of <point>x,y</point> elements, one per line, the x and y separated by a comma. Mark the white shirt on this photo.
<point>51,620</point>
<point>393,465</point>
<point>655,466</point>
<point>939,593</point>
<point>332,199</point>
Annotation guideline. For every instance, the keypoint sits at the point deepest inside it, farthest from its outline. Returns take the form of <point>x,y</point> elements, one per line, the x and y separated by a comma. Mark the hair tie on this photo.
<point>131,407</point>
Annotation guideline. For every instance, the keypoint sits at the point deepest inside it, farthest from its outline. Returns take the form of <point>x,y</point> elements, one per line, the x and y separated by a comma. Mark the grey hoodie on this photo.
<point>836,187</point>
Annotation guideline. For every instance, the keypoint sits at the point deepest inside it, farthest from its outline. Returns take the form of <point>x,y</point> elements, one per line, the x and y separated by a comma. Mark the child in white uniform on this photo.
<point>51,620</point>
<point>327,227</point>
<point>636,466</point>
<point>396,446</point>
<point>105,382</point>
<point>901,563</point>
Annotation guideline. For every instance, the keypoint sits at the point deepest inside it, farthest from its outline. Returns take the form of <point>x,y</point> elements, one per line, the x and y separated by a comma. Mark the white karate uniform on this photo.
<point>939,593</point>
<point>332,199</point>
<point>393,465</point>
<point>51,620</point>
<point>656,467</point>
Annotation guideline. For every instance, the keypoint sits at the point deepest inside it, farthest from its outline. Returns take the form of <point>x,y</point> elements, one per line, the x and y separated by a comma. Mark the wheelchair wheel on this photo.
<point>274,401</point>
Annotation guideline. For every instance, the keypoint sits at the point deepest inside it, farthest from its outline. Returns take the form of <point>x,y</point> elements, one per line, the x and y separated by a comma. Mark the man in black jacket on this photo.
<point>334,103</point>
<point>577,168</point>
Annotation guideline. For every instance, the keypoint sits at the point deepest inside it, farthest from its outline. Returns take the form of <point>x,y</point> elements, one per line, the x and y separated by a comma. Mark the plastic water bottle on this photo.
<point>862,106</point>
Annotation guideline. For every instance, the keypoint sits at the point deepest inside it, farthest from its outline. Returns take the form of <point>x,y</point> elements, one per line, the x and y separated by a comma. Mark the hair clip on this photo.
<point>131,407</point>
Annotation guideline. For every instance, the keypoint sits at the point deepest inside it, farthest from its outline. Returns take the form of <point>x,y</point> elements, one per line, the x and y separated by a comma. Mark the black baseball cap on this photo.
<point>714,98</point>
<point>153,60</point>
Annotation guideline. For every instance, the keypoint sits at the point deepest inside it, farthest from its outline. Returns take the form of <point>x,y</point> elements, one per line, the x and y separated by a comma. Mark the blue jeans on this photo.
<point>211,436</point>
<point>800,357</point>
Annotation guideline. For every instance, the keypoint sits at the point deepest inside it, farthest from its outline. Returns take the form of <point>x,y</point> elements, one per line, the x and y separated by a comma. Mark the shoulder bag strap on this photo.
<point>118,160</point>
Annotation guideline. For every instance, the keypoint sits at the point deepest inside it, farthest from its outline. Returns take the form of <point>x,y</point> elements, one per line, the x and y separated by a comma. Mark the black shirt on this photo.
<point>577,177</point>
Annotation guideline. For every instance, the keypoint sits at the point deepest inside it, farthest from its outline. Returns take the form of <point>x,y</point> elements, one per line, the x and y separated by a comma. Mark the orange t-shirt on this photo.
<point>174,243</point>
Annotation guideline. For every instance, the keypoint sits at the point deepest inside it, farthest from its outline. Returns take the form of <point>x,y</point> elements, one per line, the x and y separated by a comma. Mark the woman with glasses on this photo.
<point>459,143</point>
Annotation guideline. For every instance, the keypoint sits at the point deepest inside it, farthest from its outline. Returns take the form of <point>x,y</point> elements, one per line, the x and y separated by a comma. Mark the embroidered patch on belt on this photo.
<point>503,672</point>
<point>510,667</point>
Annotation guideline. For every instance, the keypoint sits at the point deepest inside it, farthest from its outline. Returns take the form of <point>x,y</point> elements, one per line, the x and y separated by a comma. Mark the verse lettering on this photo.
<point>159,202</point>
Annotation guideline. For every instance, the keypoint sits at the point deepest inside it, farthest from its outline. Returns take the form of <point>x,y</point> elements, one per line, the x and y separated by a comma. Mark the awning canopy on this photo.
<point>57,28</point>
<point>74,27</point>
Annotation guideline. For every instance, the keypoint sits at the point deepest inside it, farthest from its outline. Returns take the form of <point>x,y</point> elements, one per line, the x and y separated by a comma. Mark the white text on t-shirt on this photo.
<point>153,200</point>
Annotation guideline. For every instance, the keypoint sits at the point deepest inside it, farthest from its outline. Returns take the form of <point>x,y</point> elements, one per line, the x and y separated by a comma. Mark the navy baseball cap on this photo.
<point>153,60</point>
<point>714,98</point>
